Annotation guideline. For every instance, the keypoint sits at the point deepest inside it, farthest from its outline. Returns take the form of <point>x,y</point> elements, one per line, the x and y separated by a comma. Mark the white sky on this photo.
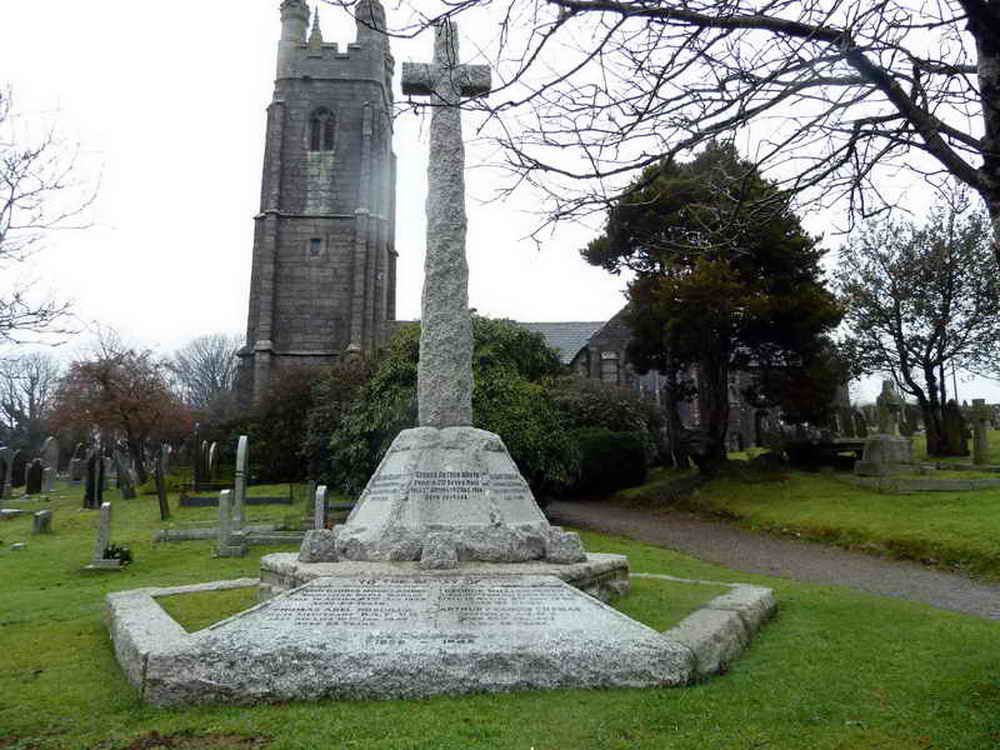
<point>167,102</point>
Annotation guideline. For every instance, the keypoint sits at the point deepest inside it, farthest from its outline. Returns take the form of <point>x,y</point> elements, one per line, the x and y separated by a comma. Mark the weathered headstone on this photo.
<point>77,464</point>
<point>33,478</point>
<point>955,430</point>
<point>125,484</point>
<point>160,477</point>
<point>103,541</point>
<point>319,508</point>
<point>230,539</point>
<point>980,426</point>
<point>887,452</point>
<point>42,522</point>
<point>50,453</point>
<point>213,450</point>
<point>5,455</point>
<point>18,464</point>
<point>93,491</point>
<point>240,479</point>
<point>48,480</point>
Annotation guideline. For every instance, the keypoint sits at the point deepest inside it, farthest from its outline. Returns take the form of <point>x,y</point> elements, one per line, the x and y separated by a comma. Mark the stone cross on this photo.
<point>444,375</point>
<point>889,407</point>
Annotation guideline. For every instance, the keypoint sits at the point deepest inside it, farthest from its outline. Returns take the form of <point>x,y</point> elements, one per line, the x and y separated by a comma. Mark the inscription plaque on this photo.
<point>432,610</point>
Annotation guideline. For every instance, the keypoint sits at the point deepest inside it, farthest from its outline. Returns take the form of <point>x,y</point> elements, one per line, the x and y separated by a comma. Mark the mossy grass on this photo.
<point>836,670</point>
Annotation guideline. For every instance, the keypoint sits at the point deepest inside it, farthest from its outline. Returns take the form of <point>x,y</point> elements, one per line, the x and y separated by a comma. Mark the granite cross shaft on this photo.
<point>444,374</point>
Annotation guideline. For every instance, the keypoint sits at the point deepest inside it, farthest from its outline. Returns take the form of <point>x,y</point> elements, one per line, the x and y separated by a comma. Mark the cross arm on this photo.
<point>421,79</point>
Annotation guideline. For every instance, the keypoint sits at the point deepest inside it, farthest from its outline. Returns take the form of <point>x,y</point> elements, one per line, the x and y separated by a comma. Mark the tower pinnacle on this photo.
<point>316,35</point>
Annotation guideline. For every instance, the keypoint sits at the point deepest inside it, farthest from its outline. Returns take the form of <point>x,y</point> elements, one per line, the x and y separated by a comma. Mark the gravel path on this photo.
<point>739,549</point>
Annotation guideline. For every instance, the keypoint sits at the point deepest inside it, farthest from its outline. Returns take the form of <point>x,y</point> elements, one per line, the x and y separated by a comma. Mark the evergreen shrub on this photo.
<point>609,461</point>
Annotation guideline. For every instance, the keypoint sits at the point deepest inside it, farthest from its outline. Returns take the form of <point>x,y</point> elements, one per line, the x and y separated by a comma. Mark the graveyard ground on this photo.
<point>956,530</point>
<point>836,669</point>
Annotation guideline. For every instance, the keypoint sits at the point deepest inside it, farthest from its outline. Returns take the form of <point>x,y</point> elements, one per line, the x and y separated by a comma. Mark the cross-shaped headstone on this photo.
<point>444,374</point>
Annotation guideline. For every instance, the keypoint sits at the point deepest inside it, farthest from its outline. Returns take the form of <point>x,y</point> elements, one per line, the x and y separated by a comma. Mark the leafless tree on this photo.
<point>833,95</point>
<point>922,298</point>
<point>124,393</point>
<point>27,384</point>
<point>204,371</point>
<point>40,192</point>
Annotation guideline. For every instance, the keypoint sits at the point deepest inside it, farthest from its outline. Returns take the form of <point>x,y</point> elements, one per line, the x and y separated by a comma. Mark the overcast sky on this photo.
<point>168,104</point>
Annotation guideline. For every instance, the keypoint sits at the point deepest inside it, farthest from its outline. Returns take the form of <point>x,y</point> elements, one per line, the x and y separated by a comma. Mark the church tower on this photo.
<point>323,281</point>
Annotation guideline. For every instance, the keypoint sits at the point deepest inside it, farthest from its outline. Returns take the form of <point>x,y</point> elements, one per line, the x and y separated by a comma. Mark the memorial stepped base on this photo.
<point>603,576</point>
<point>418,635</point>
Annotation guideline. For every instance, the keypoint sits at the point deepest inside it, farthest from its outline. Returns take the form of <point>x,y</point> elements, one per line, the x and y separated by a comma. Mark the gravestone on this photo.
<point>125,483</point>
<point>33,479</point>
<point>240,479</point>
<point>159,476</point>
<point>50,453</point>
<point>42,522</point>
<point>319,508</point>
<point>230,538</point>
<point>48,480</point>
<point>5,454</point>
<point>18,466</point>
<point>212,457</point>
<point>888,452</point>
<point>955,430</point>
<point>93,490</point>
<point>78,463</point>
<point>103,541</point>
<point>980,439</point>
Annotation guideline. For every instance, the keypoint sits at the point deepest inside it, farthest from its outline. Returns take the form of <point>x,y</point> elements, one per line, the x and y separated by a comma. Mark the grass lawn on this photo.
<point>835,670</point>
<point>953,530</point>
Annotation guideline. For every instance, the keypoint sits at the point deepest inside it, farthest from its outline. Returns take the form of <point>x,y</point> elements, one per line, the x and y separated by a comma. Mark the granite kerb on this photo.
<point>720,630</point>
<point>146,637</point>
<point>901,485</point>
<point>139,626</point>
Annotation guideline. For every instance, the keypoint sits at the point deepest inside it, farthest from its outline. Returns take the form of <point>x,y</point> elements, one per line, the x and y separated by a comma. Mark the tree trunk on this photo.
<point>678,456</point>
<point>933,412</point>
<point>714,390</point>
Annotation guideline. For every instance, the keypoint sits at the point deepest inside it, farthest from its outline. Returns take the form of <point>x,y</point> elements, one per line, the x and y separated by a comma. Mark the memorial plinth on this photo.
<point>442,497</point>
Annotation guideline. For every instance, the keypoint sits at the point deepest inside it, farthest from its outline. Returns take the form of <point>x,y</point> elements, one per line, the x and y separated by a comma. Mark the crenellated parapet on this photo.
<point>303,54</point>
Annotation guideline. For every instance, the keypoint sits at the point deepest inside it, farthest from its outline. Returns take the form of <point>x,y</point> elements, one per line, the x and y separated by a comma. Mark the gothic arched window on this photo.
<point>321,130</point>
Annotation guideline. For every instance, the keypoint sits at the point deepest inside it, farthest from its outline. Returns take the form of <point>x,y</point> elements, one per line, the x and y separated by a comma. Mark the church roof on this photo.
<point>567,338</point>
